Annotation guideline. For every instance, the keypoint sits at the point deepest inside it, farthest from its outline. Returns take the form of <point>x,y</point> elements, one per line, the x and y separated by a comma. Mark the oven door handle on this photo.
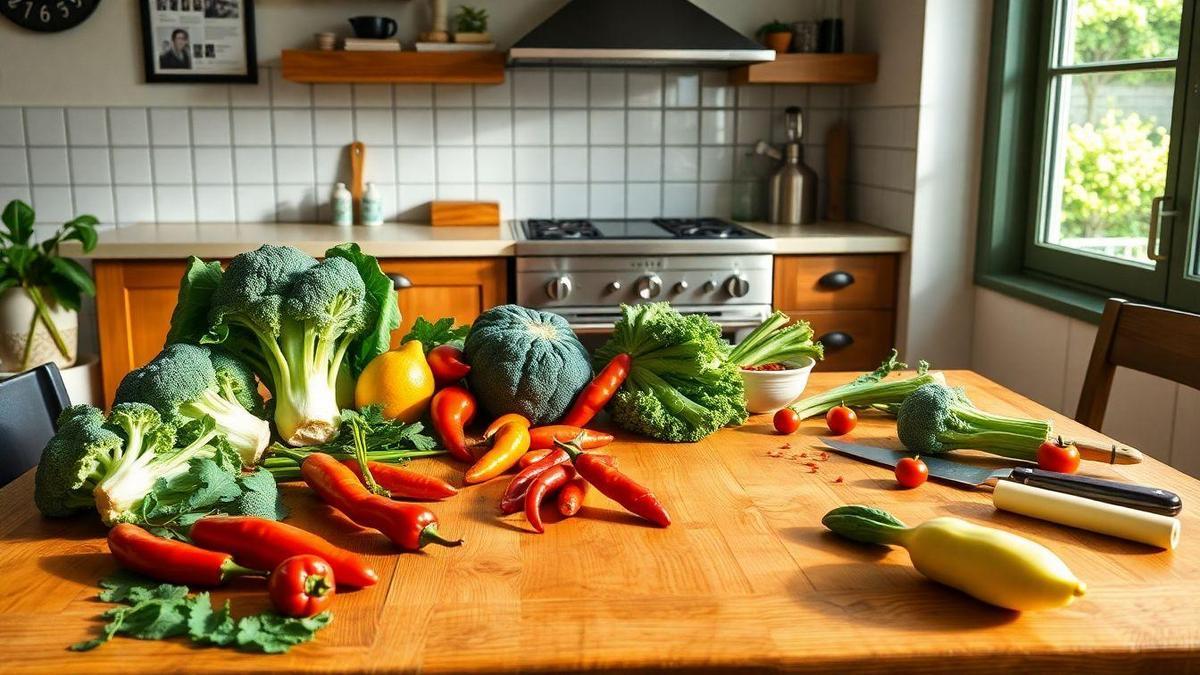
<point>600,328</point>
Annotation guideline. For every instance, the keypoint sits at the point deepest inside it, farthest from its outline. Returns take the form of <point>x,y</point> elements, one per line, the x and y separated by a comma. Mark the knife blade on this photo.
<point>1141,497</point>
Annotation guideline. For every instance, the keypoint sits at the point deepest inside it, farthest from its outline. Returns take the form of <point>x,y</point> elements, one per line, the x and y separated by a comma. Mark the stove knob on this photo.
<point>680,286</point>
<point>710,286</point>
<point>737,286</point>
<point>649,286</point>
<point>614,286</point>
<point>559,288</point>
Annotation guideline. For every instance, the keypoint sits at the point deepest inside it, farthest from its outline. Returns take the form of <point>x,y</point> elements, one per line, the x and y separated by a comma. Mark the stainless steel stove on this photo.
<point>584,269</point>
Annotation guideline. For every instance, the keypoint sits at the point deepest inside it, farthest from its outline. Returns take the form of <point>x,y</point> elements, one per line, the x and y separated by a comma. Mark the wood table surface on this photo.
<point>745,578</point>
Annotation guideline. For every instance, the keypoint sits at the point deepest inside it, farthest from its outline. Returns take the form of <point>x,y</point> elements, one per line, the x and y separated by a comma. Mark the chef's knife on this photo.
<point>1140,497</point>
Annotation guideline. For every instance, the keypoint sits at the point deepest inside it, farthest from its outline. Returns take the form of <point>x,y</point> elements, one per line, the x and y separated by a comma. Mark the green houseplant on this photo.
<point>777,35</point>
<point>470,24</point>
<point>39,288</point>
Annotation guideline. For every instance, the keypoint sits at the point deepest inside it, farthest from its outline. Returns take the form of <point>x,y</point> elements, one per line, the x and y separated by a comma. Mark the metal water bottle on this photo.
<point>793,187</point>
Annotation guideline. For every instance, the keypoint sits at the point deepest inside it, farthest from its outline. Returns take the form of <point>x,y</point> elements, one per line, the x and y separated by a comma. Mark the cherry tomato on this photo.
<point>1058,456</point>
<point>786,421</point>
<point>840,420</point>
<point>301,586</point>
<point>911,472</point>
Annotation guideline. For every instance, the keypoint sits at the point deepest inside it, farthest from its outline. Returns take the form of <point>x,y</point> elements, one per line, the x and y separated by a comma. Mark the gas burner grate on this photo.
<point>561,229</point>
<point>701,228</point>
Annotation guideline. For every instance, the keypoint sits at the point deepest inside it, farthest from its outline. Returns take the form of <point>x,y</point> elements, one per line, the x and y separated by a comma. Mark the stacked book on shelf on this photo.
<point>353,44</point>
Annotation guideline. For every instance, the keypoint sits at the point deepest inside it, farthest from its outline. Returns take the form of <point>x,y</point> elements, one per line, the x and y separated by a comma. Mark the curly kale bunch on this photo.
<point>682,385</point>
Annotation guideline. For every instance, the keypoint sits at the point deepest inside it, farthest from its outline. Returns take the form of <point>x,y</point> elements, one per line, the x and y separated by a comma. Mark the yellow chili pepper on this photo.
<point>502,420</point>
<point>509,442</point>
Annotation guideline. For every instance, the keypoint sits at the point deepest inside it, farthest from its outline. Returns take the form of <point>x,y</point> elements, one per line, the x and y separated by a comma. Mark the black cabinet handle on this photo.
<point>400,282</point>
<point>836,340</point>
<point>835,280</point>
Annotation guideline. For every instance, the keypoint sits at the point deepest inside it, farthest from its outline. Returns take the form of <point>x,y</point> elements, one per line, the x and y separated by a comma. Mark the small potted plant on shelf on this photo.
<point>776,35</point>
<point>470,25</point>
<point>40,291</point>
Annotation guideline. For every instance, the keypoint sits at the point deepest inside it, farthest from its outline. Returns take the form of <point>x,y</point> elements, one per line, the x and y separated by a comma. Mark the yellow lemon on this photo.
<point>399,380</point>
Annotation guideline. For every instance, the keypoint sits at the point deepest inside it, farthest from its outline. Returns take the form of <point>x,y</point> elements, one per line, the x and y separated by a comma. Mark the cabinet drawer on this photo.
<point>835,281</point>
<point>460,288</point>
<point>868,336</point>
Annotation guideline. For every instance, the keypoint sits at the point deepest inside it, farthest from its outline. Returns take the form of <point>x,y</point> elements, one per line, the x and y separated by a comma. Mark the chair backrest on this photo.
<point>29,407</point>
<point>1162,342</point>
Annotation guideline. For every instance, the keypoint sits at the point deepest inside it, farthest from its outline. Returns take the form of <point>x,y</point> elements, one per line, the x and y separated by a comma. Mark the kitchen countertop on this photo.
<point>745,578</point>
<point>414,240</point>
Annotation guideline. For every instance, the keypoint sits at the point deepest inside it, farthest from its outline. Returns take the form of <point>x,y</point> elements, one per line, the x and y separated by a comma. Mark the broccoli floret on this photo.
<point>296,323</point>
<point>936,419</point>
<point>74,462</point>
<point>186,383</point>
<point>871,390</point>
<point>147,453</point>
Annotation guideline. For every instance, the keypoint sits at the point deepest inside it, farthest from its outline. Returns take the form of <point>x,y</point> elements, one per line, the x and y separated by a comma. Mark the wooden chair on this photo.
<point>29,407</point>
<point>1162,342</point>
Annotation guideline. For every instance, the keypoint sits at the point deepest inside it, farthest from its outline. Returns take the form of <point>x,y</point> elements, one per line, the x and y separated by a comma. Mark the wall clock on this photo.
<point>48,16</point>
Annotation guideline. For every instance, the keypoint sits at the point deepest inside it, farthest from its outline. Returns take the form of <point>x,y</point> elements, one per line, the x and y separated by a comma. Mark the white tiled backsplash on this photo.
<point>561,143</point>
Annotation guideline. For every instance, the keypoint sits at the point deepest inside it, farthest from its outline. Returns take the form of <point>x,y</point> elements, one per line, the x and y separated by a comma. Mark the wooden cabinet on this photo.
<point>850,301</point>
<point>135,298</point>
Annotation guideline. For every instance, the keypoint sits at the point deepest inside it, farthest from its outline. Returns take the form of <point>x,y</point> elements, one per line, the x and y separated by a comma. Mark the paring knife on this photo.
<point>1140,497</point>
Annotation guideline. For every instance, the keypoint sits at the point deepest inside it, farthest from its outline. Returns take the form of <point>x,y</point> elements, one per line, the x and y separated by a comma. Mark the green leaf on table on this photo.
<point>441,332</point>
<point>274,634</point>
<point>209,627</point>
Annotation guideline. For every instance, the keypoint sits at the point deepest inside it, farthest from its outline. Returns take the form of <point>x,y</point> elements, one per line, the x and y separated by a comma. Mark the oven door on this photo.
<point>594,325</point>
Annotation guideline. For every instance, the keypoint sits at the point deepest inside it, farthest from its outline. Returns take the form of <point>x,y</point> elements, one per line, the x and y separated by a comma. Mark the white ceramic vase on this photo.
<point>16,313</point>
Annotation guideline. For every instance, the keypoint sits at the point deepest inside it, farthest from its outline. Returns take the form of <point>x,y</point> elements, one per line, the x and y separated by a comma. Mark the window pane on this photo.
<point>1111,135</point>
<point>1120,30</point>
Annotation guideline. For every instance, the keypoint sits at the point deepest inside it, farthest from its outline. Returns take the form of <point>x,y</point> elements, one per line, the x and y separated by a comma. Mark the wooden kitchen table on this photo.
<point>745,578</point>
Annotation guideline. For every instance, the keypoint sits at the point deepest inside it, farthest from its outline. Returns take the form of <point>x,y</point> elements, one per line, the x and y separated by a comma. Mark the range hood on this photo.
<point>632,33</point>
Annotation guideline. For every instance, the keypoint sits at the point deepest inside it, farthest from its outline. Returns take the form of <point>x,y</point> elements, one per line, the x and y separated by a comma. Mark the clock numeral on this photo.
<point>62,7</point>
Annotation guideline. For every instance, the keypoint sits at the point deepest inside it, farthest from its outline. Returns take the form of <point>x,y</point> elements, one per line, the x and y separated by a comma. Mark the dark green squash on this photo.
<point>525,361</point>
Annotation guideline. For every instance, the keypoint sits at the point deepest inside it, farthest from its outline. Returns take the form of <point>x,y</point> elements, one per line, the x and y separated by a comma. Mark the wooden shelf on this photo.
<point>810,69</point>
<point>301,65</point>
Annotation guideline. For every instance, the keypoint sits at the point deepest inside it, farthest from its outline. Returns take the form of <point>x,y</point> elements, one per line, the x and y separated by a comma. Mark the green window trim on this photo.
<point>1008,192</point>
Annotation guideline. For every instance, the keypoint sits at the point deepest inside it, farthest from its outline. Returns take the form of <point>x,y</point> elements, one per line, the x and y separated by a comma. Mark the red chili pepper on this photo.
<point>514,494</point>
<point>404,483</point>
<point>595,395</point>
<point>618,487</point>
<point>570,498</point>
<point>532,456</point>
<point>409,526</point>
<point>543,437</point>
<point>172,561</point>
<point>259,542</point>
<point>547,482</point>
<point>302,585</point>
<point>451,409</point>
<point>446,363</point>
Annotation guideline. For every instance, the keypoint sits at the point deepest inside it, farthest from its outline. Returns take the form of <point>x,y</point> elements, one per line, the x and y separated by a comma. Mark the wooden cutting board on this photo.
<point>464,213</point>
<point>745,579</point>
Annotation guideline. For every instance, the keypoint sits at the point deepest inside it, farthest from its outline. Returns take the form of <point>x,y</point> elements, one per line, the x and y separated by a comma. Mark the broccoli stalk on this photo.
<point>774,341</point>
<point>936,419</point>
<point>186,383</point>
<point>147,455</point>
<point>870,390</point>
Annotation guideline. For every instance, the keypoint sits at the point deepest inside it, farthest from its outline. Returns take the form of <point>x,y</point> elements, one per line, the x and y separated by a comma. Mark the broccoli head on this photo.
<point>935,418</point>
<point>188,382</point>
<point>304,327</point>
<point>74,462</point>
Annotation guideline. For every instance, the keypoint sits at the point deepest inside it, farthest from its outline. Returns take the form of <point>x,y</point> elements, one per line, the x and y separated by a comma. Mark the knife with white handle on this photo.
<point>1087,514</point>
<point>1130,495</point>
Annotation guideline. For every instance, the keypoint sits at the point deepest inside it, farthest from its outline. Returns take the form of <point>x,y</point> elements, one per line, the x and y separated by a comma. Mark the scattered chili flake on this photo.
<point>786,446</point>
<point>811,464</point>
<point>839,479</point>
<point>804,454</point>
<point>824,457</point>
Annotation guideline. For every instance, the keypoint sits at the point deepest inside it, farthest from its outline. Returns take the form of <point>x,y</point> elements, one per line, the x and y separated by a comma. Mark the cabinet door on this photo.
<point>134,301</point>
<point>835,281</point>
<point>458,288</point>
<point>854,339</point>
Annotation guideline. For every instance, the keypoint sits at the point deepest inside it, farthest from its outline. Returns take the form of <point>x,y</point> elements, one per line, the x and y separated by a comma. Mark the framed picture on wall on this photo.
<point>199,41</point>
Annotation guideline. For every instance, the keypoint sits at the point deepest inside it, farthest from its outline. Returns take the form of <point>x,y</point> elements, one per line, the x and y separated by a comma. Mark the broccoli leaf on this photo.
<point>189,320</point>
<point>380,306</point>
<point>159,611</point>
<point>441,332</point>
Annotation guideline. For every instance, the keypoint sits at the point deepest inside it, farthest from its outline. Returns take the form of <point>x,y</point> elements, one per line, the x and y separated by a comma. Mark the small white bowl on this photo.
<point>770,390</point>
